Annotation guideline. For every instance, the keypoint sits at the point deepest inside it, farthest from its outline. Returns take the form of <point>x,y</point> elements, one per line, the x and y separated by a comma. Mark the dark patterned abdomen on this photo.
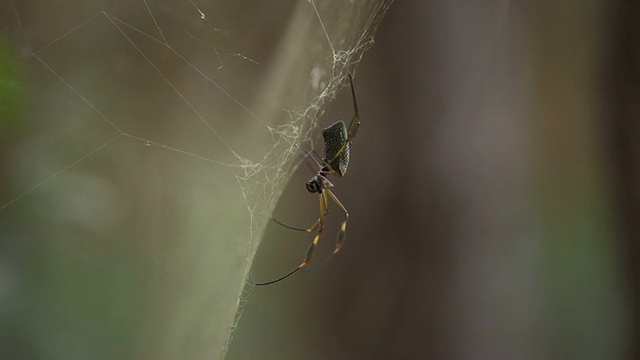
<point>334,136</point>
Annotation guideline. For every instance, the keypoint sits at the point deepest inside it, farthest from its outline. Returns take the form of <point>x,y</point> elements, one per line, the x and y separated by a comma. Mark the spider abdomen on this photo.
<point>334,137</point>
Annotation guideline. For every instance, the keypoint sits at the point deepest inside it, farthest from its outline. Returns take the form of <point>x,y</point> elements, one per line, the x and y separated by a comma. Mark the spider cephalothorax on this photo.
<point>319,182</point>
<point>315,185</point>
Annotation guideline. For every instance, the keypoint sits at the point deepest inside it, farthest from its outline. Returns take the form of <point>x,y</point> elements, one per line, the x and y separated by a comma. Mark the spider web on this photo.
<point>144,146</point>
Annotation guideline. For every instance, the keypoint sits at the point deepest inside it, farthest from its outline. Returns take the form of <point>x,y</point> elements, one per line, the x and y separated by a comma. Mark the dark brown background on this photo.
<point>493,191</point>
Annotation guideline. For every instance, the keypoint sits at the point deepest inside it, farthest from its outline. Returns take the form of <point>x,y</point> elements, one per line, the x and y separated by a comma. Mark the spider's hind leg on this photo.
<point>312,247</point>
<point>341,235</point>
<point>313,227</point>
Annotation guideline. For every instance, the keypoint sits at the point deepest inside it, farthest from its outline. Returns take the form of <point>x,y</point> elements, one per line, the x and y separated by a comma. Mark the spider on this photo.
<point>337,143</point>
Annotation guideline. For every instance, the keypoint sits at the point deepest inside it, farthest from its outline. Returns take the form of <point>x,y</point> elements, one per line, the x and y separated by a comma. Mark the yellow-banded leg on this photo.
<point>320,226</point>
<point>343,227</point>
<point>309,229</point>
<point>341,235</point>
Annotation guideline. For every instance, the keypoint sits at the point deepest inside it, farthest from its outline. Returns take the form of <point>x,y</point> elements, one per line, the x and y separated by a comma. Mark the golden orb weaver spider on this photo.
<point>337,143</point>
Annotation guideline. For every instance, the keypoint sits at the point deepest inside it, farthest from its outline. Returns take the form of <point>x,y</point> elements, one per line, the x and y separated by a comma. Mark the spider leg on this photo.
<point>315,157</point>
<point>353,127</point>
<point>312,247</point>
<point>310,229</point>
<point>343,227</point>
<point>308,164</point>
<point>355,122</point>
<point>341,235</point>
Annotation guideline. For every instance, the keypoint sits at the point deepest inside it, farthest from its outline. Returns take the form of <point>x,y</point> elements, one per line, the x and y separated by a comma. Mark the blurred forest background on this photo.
<point>494,189</point>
